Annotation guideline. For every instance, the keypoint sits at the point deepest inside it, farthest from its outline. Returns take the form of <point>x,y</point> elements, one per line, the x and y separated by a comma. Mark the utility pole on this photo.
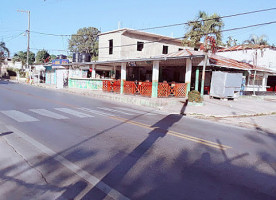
<point>28,43</point>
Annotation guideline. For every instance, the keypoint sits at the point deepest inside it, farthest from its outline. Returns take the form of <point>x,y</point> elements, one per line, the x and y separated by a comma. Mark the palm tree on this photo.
<point>231,42</point>
<point>208,28</point>
<point>4,51</point>
<point>202,27</point>
<point>256,40</point>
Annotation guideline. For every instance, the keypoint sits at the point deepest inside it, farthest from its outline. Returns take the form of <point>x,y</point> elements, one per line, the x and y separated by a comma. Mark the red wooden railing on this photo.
<point>107,86</point>
<point>163,89</point>
<point>112,86</point>
<point>180,89</point>
<point>129,87</point>
<point>145,88</point>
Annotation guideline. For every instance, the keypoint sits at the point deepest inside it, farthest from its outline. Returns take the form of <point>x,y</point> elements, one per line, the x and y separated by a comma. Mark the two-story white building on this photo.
<point>136,62</point>
<point>129,44</point>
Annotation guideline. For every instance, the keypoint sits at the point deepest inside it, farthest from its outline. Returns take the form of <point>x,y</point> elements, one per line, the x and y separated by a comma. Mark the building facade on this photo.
<point>259,55</point>
<point>256,55</point>
<point>129,44</point>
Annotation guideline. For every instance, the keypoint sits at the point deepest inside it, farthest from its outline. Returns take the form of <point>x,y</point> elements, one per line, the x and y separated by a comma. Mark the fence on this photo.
<point>145,88</point>
<point>112,86</point>
<point>85,83</point>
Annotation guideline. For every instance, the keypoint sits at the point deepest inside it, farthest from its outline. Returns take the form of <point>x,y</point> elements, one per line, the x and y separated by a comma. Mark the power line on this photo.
<point>59,50</point>
<point>226,16</point>
<point>14,37</point>
<point>226,30</point>
<point>10,36</point>
<point>179,38</point>
<point>51,34</point>
<point>170,25</point>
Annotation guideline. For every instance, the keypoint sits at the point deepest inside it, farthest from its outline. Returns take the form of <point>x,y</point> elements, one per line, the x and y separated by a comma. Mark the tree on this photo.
<point>4,52</point>
<point>231,42</point>
<point>202,27</point>
<point>53,57</point>
<point>42,56</point>
<point>256,40</point>
<point>22,57</point>
<point>85,41</point>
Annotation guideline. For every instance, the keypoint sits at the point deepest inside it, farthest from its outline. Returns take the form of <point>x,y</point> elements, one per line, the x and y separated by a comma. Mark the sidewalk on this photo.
<point>258,112</point>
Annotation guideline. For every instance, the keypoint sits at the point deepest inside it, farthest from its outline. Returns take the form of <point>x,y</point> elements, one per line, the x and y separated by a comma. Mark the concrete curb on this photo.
<point>157,103</point>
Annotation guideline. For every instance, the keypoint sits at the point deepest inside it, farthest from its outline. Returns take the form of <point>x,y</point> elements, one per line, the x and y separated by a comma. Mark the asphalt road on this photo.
<point>86,148</point>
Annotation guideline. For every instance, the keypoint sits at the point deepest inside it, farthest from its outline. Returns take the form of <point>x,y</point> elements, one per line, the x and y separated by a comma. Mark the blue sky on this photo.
<point>67,16</point>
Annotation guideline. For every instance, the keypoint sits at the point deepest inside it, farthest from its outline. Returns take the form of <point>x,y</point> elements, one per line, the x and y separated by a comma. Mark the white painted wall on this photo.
<point>129,46</point>
<point>11,64</point>
<point>265,58</point>
<point>260,82</point>
<point>104,46</point>
<point>150,49</point>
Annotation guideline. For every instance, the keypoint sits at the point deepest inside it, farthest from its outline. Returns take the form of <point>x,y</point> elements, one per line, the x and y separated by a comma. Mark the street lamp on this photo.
<point>28,44</point>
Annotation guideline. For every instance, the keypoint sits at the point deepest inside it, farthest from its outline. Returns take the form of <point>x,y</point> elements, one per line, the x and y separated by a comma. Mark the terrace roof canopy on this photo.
<point>178,59</point>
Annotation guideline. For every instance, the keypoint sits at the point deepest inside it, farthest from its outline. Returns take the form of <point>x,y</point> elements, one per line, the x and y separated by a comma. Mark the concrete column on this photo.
<point>197,78</point>
<point>155,78</point>
<point>123,76</point>
<point>264,82</point>
<point>114,69</point>
<point>93,73</point>
<point>203,75</point>
<point>188,75</point>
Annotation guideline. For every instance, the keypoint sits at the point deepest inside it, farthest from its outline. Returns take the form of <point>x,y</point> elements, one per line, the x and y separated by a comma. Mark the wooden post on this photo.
<point>123,76</point>
<point>155,78</point>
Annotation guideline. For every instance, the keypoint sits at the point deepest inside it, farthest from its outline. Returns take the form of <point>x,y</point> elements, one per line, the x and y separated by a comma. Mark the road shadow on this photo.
<point>5,81</point>
<point>148,171</point>
<point>117,174</point>
<point>183,109</point>
<point>6,133</point>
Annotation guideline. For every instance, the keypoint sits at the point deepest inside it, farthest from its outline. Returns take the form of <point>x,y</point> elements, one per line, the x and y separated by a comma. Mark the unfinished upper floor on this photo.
<point>128,44</point>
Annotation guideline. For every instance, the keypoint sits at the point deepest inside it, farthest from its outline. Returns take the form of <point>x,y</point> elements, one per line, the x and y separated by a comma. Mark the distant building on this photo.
<point>129,44</point>
<point>8,63</point>
<point>256,55</point>
<point>259,55</point>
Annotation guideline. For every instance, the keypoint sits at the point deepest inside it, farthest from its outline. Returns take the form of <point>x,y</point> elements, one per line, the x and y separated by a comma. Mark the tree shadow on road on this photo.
<point>148,172</point>
<point>117,174</point>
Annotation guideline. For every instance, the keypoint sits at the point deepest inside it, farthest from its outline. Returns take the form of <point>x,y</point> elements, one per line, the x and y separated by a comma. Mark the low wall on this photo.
<point>82,83</point>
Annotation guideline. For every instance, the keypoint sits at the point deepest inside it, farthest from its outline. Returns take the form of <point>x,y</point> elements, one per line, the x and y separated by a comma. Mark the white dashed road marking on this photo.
<point>48,113</point>
<point>135,111</point>
<point>113,110</point>
<point>74,112</point>
<point>96,112</point>
<point>19,116</point>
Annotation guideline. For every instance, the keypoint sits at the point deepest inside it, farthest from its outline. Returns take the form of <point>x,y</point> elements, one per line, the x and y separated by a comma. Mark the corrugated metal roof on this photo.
<point>221,61</point>
<point>245,47</point>
<point>214,60</point>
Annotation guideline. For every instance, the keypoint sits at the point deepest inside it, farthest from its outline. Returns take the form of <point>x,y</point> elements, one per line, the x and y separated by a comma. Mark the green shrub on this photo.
<point>194,96</point>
